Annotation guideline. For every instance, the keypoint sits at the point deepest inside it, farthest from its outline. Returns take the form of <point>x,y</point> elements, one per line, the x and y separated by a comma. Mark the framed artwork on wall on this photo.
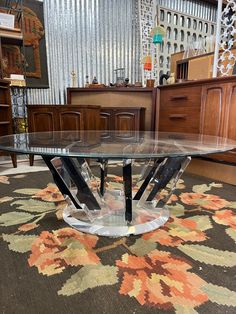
<point>35,44</point>
<point>34,48</point>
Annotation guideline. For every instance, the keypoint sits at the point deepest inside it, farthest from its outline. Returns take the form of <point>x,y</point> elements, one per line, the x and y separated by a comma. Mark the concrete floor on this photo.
<point>6,167</point>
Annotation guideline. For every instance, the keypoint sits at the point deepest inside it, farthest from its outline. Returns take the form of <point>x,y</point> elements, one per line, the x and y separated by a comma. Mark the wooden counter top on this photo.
<point>218,80</point>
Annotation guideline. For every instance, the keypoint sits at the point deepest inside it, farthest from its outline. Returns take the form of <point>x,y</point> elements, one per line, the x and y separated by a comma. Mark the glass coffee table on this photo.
<point>133,206</point>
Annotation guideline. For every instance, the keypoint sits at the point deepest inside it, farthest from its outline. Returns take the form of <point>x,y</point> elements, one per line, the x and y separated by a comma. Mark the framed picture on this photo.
<point>34,52</point>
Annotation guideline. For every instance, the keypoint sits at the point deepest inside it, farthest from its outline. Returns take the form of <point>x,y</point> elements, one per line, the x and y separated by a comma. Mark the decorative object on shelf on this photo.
<point>120,77</point>
<point>194,48</point>
<point>171,79</point>
<point>224,58</point>
<point>73,78</point>
<point>17,80</point>
<point>210,43</point>
<point>150,83</point>
<point>157,34</point>
<point>147,63</point>
<point>148,67</point>
<point>95,81</point>
<point>126,82</point>
<point>87,81</point>
<point>162,77</point>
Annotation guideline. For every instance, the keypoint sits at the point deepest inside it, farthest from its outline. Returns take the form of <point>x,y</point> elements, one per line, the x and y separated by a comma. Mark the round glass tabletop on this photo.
<point>114,144</point>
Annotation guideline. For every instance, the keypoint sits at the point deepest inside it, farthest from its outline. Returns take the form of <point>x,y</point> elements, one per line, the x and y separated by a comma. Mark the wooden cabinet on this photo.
<point>43,118</point>
<point>119,97</point>
<point>205,107</point>
<point>128,120</point>
<point>219,115</point>
<point>6,127</point>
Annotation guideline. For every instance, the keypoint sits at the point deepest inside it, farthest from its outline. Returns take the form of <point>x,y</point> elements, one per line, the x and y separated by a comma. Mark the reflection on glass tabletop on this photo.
<point>114,144</point>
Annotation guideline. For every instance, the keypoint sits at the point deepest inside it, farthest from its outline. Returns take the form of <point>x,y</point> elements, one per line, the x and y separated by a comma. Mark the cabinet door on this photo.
<point>230,113</point>
<point>106,122</point>
<point>126,121</point>
<point>70,120</point>
<point>229,121</point>
<point>213,107</point>
<point>41,121</point>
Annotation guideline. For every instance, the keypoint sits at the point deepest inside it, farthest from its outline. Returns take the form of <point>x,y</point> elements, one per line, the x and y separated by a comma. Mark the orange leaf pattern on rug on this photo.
<point>225,217</point>
<point>4,180</point>
<point>50,194</point>
<point>176,231</point>
<point>53,251</point>
<point>27,227</point>
<point>161,279</point>
<point>207,201</point>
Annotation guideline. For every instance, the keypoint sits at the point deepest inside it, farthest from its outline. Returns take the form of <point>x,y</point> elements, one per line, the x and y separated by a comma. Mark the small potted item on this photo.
<point>95,81</point>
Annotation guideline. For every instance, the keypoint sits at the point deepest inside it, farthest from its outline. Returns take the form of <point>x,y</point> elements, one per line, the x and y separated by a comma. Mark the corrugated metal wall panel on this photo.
<point>90,37</point>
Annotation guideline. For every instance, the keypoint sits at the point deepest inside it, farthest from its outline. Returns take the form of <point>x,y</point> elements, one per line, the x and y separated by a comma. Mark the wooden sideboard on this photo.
<point>203,106</point>
<point>122,97</point>
<point>43,118</point>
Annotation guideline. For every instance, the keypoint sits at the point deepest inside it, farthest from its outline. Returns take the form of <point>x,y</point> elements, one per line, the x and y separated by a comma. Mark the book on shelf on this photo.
<point>11,33</point>
<point>16,80</point>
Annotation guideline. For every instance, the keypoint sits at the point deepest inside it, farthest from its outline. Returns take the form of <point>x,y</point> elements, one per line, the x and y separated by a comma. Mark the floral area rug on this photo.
<point>187,266</point>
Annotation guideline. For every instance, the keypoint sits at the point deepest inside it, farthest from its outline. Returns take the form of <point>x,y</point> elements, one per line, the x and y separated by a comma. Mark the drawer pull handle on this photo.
<point>183,97</point>
<point>177,116</point>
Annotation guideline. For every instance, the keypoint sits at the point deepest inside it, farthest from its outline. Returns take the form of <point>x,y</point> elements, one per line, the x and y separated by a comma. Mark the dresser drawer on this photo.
<point>179,120</point>
<point>181,97</point>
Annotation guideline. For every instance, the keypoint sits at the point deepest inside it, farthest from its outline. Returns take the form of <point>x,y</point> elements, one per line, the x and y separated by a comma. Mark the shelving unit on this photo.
<point>6,126</point>
<point>14,37</point>
<point>197,67</point>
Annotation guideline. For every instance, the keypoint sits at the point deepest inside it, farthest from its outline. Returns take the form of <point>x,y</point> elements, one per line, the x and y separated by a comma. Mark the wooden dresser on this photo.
<point>204,106</point>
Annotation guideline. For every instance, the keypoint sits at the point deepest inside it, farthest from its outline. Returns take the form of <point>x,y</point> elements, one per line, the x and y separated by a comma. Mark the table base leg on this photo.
<point>116,211</point>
